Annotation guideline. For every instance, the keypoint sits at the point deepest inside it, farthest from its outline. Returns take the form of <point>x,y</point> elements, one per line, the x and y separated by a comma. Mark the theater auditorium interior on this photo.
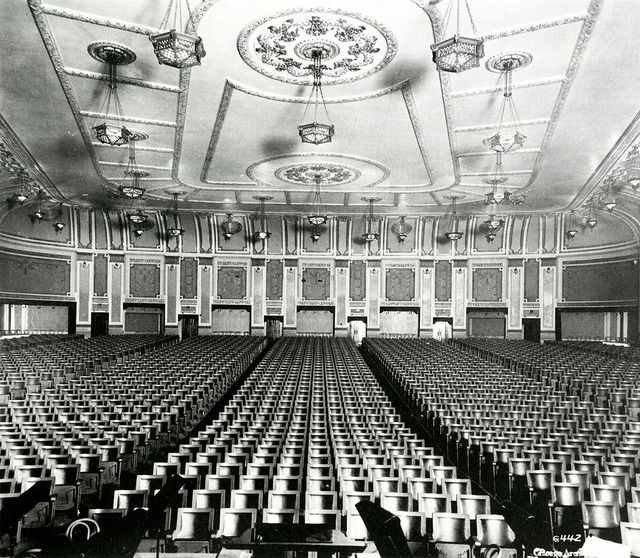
<point>334,278</point>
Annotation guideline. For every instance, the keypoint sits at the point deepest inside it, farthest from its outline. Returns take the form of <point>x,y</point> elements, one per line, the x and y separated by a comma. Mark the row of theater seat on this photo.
<point>308,435</point>
<point>508,414</point>
<point>82,431</point>
<point>36,340</point>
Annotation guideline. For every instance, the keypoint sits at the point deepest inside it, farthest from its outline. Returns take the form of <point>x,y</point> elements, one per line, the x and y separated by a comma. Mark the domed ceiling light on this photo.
<point>453,233</point>
<point>114,55</point>
<point>176,47</point>
<point>370,235</point>
<point>506,64</point>
<point>457,53</point>
<point>316,132</point>
<point>262,233</point>
<point>230,227</point>
<point>401,229</point>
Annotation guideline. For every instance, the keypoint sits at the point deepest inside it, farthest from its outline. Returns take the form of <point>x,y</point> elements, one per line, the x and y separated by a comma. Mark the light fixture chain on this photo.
<point>473,25</point>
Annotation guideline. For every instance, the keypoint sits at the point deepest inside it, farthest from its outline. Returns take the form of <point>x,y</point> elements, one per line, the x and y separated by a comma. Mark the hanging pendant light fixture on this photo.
<point>230,227</point>
<point>114,55</point>
<point>59,226</point>
<point>23,191</point>
<point>632,167</point>
<point>401,229</point>
<point>262,233</point>
<point>506,64</point>
<point>317,220</point>
<point>591,217</point>
<point>132,188</point>
<point>175,231</point>
<point>457,53</point>
<point>316,132</point>
<point>370,235</point>
<point>39,213</point>
<point>608,200</point>
<point>572,231</point>
<point>454,234</point>
<point>494,180</point>
<point>176,47</point>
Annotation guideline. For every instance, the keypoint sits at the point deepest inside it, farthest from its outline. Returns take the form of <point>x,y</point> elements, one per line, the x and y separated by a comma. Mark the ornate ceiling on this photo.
<point>226,131</point>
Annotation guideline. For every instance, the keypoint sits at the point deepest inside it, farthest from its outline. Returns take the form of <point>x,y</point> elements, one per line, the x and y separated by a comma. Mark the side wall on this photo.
<point>529,271</point>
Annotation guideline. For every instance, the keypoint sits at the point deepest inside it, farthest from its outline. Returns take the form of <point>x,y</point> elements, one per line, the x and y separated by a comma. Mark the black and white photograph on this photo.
<point>319,279</point>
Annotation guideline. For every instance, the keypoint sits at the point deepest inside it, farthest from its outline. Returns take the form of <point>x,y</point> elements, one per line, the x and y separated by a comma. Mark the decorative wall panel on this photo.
<point>486,324</point>
<point>459,297</point>
<point>100,273</point>
<point>582,325</point>
<point>231,320</point>
<point>342,290</point>
<point>144,280</point>
<point>290,240</point>
<point>188,278</point>
<point>393,244</point>
<point>232,283</point>
<point>290,294</point>
<point>611,281</point>
<point>426,296</point>
<point>549,232</point>
<point>172,307</point>
<point>21,223</point>
<point>399,322</point>
<point>258,273</point>
<point>275,270</point>
<point>548,310</point>
<point>84,217</point>
<point>24,274</point>
<point>533,234</point>
<point>400,284</point>
<point>139,321</point>
<point>100,223</point>
<point>46,318</point>
<point>357,280</point>
<point>314,321</point>
<point>531,281</point>
<point>443,281</point>
<point>190,237</point>
<point>429,231</point>
<point>238,242</point>
<point>343,244</point>
<point>487,284</point>
<point>323,245</point>
<point>515,280</point>
<point>115,223</point>
<point>373,295</point>
<point>205,230</point>
<point>275,243</point>
<point>84,288</point>
<point>316,283</point>
<point>206,275</point>
<point>116,281</point>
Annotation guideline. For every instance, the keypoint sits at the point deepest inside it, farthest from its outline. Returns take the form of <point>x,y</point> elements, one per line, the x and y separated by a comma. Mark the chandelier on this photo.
<point>175,231</point>
<point>316,132</point>
<point>572,231</point>
<point>262,233</point>
<point>401,229</point>
<point>370,235</point>
<point>58,226</point>
<point>39,213</point>
<point>632,167</point>
<point>506,64</point>
<point>453,234</point>
<point>23,190</point>
<point>176,47</point>
<point>457,53</point>
<point>114,55</point>
<point>494,197</point>
<point>230,227</point>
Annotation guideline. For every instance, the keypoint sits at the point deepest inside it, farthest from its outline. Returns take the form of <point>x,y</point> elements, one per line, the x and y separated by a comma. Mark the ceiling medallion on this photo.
<point>312,173</point>
<point>281,46</point>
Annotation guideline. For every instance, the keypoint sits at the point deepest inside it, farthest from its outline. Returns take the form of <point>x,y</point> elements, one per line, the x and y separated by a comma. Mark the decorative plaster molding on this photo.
<point>122,79</point>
